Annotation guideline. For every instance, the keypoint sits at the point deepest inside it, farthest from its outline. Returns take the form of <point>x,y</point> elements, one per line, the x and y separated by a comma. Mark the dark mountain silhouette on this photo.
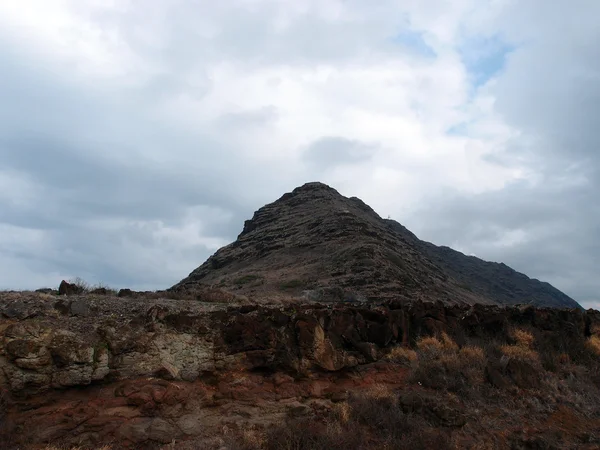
<point>316,244</point>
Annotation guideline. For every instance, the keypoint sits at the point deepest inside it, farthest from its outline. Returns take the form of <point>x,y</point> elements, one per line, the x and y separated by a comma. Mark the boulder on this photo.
<point>66,288</point>
<point>126,293</point>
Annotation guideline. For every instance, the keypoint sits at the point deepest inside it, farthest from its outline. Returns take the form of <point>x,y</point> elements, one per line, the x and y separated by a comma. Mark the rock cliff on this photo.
<point>139,372</point>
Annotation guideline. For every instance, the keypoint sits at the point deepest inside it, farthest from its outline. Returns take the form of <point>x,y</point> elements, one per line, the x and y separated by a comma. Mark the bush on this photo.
<point>522,349</point>
<point>378,409</point>
<point>402,355</point>
<point>442,365</point>
<point>593,344</point>
<point>82,285</point>
<point>433,347</point>
<point>372,419</point>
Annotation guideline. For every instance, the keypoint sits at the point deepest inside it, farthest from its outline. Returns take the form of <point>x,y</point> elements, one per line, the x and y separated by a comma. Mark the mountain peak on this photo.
<point>314,186</point>
<point>315,243</point>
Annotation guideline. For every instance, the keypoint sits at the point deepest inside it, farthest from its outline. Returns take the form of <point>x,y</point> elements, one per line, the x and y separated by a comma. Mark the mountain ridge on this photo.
<point>316,244</point>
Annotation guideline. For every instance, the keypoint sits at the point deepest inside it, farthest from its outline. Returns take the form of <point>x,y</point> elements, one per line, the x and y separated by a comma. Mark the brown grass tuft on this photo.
<point>523,338</point>
<point>342,412</point>
<point>593,343</point>
<point>519,352</point>
<point>433,346</point>
<point>401,355</point>
<point>522,350</point>
<point>442,365</point>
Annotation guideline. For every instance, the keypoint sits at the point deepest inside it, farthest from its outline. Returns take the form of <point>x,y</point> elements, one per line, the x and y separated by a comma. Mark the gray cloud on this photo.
<point>128,180</point>
<point>547,233</point>
<point>549,91</point>
<point>335,151</point>
<point>90,186</point>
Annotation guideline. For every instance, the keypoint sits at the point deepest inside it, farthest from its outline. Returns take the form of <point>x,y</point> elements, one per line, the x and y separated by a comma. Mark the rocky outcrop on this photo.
<point>66,288</point>
<point>315,244</point>
<point>95,369</point>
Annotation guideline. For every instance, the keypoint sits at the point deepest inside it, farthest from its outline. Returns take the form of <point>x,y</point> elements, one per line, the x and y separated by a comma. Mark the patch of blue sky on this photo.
<point>415,42</point>
<point>460,129</point>
<point>484,57</point>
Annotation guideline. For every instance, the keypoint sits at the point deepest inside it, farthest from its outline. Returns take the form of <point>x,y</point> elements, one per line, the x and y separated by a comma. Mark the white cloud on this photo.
<point>191,105</point>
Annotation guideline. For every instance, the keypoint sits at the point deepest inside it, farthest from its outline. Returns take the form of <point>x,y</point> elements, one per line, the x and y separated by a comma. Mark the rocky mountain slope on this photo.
<point>316,244</point>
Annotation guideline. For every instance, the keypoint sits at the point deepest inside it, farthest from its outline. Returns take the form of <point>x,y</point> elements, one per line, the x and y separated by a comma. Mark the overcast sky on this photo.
<point>136,136</point>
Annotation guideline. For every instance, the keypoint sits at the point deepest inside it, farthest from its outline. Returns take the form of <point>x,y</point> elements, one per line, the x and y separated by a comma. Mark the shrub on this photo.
<point>401,355</point>
<point>593,343</point>
<point>342,412</point>
<point>82,285</point>
<point>103,289</point>
<point>442,365</point>
<point>519,352</point>
<point>522,350</point>
<point>432,346</point>
<point>370,419</point>
<point>378,408</point>
<point>249,440</point>
<point>523,338</point>
<point>471,363</point>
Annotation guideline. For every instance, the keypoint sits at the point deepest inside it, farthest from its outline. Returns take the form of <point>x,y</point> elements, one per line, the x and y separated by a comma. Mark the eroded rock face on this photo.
<point>152,367</point>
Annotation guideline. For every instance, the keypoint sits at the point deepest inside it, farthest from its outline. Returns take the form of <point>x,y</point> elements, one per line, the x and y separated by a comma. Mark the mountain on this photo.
<point>316,244</point>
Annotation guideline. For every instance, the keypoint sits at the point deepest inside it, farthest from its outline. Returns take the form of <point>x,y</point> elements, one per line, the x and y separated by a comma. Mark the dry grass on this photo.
<point>441,364</point>
<point>372,419</point>
<point>471,363</point>
<point>522,350</point>
<point>472,354</point>
<point>433,346</point>
<point>401,355</point>
<point>378,391</point>
<point>248,440</point>
<point>519,352</point>
<point>593,343</point>
<point>342,413</point>
<point>523,338</point>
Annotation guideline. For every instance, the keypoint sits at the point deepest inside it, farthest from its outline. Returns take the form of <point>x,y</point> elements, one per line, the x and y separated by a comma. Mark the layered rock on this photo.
<point>139,371</point>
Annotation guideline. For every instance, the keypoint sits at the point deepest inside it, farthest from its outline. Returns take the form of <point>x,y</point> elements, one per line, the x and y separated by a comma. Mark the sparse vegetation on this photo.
<point>594,344</point>
<point>523,347</point>
<point>388,418</point>
<point>246,279</point>
<point>82,285</point>
<point>292,284</point>
<point>402,355</point>
<point>375,418</point>
<point>460,389</point>
<point>103,289</point>
<point>441,364</point>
